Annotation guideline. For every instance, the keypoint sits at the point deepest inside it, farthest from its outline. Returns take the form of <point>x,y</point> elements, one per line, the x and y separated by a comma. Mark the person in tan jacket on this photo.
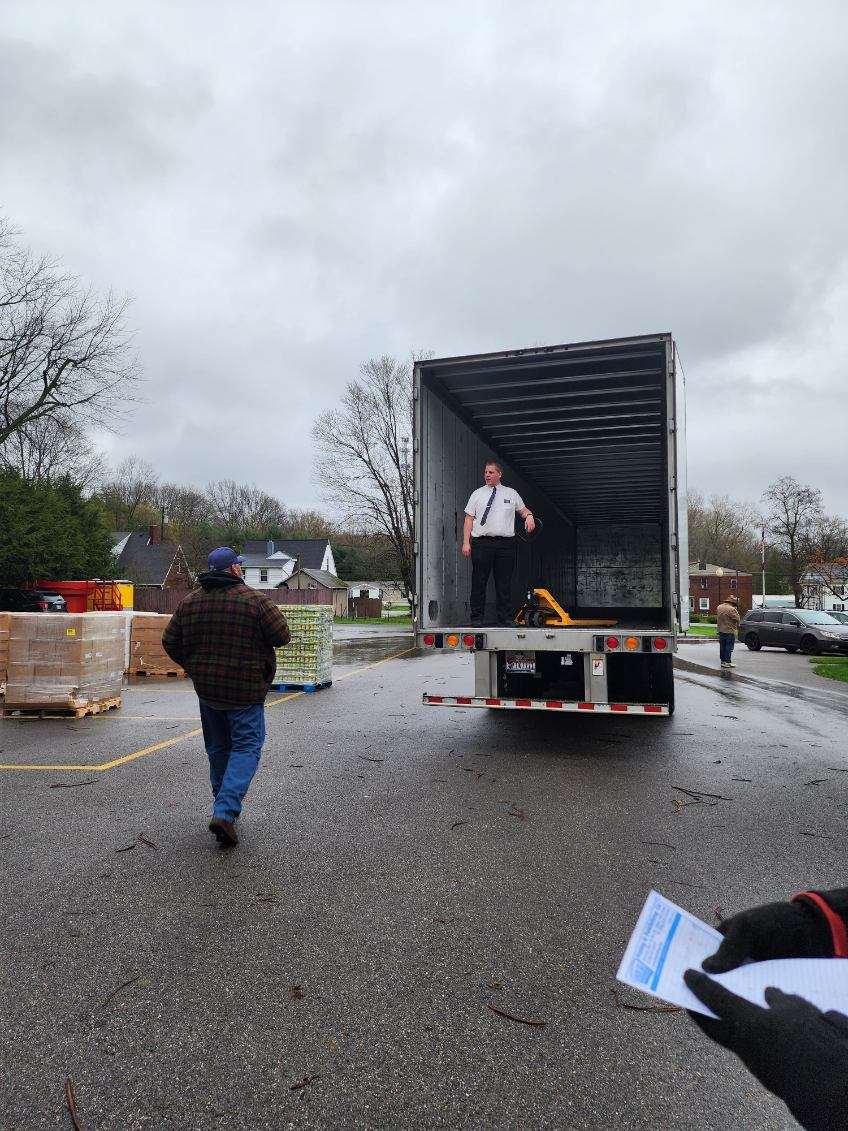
<point>727,626</point>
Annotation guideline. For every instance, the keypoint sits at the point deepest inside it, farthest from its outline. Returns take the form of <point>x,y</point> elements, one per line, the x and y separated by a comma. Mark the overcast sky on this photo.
<point>287,189</point>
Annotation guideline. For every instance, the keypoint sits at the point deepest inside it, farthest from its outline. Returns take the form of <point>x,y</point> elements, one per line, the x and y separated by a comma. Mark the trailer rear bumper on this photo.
<point>498,702</point>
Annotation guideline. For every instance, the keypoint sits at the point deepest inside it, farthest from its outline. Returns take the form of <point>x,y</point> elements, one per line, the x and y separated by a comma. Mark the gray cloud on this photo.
<point>289,189</point>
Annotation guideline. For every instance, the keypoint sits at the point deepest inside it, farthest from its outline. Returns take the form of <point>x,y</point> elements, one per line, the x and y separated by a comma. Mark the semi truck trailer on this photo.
<point>592,436</point>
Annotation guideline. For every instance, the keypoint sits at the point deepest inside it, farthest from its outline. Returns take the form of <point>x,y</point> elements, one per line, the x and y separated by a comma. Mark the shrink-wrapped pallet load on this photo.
<point>64,660</point>
<point>4,647</point>
<point>308,659</point>
<point>147,656</point>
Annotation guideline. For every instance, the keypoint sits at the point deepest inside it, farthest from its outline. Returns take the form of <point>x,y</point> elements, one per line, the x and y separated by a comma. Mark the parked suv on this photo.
<point>14,600</point>
<point>793,629</point>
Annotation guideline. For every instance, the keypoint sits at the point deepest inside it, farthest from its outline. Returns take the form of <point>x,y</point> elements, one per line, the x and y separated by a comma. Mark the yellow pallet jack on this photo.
<point>541,610</point>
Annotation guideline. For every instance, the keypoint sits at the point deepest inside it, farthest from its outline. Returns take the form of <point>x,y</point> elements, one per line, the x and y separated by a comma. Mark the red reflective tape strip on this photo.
<point>522,702</point>
<point>838,930</point>
<point>585,706</point>
<point>493,702</point>
<point>553,703</point>
<point>618,706</point>
<point>465,700</point>
<point>435,698</point>
<point>652,710</point>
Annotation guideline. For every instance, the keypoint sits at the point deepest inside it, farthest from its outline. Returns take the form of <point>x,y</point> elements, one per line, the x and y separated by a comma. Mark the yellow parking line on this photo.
<point>90,769</point>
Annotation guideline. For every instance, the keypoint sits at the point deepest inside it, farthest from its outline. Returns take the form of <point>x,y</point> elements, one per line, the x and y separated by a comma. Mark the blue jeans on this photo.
<point>233,741</point>
<point>726,640</point>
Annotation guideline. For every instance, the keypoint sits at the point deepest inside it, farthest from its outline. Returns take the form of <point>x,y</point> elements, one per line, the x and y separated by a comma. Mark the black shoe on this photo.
<point>225,831</point>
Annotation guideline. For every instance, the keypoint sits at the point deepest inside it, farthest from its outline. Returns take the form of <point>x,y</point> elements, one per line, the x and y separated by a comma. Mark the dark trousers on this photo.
<point>497,556</point>
<point>726,640</point>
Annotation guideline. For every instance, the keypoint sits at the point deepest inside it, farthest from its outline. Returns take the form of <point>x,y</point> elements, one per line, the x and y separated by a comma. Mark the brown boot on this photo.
<point>225,831</point>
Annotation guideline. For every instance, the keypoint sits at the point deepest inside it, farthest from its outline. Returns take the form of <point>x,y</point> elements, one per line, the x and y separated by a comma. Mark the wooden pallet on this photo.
<point>48,711</point>
<point>301,686</point>
<point>156,673</point>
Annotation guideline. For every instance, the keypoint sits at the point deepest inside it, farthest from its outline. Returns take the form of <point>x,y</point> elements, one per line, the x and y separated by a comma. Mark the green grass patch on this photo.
<point>701,630</point>
<point>831,667</point>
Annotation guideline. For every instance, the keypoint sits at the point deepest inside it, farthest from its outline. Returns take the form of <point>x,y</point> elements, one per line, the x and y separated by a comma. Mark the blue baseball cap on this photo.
<point>223,557</point>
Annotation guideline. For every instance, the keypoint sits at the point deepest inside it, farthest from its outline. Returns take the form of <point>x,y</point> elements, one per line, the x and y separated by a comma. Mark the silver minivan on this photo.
<point>804,630</point>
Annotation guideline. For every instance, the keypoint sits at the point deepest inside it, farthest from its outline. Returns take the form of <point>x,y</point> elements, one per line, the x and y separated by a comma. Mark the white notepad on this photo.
<point>668,940</point>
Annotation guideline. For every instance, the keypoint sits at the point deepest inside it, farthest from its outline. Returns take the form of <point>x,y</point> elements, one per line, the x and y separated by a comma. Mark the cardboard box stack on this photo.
<point>64,659</point>
<point>4,647</point>
<point>309,656</point>
<point>146,651</point>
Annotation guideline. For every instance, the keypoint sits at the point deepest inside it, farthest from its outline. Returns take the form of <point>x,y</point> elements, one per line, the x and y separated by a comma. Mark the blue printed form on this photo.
<point>667,940</point>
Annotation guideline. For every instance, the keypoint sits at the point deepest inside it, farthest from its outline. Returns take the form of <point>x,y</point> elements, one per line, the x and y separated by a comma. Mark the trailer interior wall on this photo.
<point>455,457</point>
<point>583,433</point>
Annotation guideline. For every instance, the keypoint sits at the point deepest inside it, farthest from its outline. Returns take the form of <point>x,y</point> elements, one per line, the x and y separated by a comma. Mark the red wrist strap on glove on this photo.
<point>838,930</point>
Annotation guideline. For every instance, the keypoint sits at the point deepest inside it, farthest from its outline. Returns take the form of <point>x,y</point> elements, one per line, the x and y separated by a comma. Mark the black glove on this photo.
<point>796,1051</point>
<point>775,930</point>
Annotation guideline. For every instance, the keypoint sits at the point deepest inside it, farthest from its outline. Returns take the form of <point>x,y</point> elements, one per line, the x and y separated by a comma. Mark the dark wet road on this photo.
<point>405,868</point>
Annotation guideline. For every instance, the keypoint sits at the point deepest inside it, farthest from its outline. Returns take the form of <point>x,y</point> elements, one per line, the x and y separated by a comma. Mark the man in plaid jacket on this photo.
<point>224,635</point>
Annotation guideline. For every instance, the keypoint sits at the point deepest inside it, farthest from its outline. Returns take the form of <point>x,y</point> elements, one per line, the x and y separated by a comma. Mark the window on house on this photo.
<point>691,604</point>
<point>704,604</point>
<point>838,608</point>
<point>733,583</point>
<point>703,583</point>
<point>263,575</point>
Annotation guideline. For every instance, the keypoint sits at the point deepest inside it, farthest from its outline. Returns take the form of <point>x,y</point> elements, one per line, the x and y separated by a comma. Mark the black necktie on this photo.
<point>488,506</point>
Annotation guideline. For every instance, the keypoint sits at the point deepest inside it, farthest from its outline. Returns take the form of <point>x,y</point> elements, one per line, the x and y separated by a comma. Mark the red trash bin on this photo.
<point>74,592</point>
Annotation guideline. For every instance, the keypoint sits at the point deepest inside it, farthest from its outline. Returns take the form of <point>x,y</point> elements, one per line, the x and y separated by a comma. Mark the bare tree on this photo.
<point>132,488</point>
<point>243,509</point>
<point>61,348</point>
<point>827,558</point>
<point>362,462</point>
<point>722,531</point>
<point>51,448</point>
<point>795,510</point>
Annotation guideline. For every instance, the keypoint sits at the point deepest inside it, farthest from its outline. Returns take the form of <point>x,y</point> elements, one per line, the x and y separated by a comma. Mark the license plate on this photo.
<point>520,663</point>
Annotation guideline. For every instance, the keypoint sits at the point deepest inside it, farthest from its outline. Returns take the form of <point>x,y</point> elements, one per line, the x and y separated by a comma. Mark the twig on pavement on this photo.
<point>514,1017</point>
<point>71,1100</point>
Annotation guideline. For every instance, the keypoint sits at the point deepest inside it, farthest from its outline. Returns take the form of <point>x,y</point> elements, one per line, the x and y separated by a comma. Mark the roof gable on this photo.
<point>144,563</point>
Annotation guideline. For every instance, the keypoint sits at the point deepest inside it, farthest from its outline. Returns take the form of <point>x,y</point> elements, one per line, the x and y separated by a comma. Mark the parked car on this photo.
<point>795,630</point>
<point>14,600</point>
<point>841,617</point>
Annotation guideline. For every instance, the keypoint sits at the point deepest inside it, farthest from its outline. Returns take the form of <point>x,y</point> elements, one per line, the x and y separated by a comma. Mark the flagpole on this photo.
<point>763,563</point>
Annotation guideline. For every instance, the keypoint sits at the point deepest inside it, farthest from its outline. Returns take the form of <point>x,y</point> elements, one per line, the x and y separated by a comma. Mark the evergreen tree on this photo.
<point>51,531</point>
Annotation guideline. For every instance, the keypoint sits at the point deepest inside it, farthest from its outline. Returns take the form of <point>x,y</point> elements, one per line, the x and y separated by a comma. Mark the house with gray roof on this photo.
<point>143,558</point>
<point>268,562</point>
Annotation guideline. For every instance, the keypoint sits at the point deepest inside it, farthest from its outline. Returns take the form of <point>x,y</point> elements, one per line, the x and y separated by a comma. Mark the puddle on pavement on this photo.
<point>355,653</point>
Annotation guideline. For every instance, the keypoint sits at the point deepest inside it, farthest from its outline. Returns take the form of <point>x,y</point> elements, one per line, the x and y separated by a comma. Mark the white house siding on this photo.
<point>276,575</point>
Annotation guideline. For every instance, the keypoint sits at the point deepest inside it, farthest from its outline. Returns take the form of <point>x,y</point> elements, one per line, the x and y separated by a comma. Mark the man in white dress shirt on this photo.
<point>488,538</point>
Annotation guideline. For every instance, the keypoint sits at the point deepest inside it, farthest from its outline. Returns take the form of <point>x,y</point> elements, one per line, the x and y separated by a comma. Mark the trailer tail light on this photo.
<point>468,639</point>
<point>429,640</point>
<point>660,644</point>
<point>612,643</point>
<point>631,643</point>
<point>451,640</point>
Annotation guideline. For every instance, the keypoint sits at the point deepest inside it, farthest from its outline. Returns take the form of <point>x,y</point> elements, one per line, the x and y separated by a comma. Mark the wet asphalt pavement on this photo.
<point>401,869</point>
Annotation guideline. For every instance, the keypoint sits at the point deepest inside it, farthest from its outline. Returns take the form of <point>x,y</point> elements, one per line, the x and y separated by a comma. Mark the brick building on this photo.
<point>710,584</point>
